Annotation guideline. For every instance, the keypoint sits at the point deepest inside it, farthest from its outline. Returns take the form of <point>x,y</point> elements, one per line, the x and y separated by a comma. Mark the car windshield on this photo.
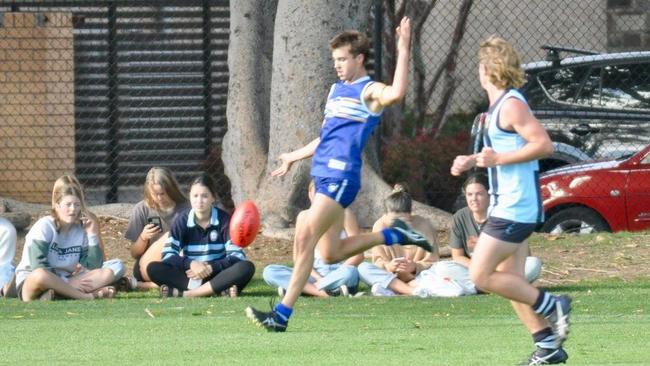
<point>610,87</point>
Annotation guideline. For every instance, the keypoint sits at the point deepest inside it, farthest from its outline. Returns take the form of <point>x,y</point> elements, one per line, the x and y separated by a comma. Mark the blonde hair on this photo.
<point>66,185</point>
<point>503,63</point>
<point>164,178</point>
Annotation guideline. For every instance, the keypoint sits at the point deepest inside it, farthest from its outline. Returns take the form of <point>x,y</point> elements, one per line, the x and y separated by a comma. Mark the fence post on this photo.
<point>207,79</point>
<point>113,109</point>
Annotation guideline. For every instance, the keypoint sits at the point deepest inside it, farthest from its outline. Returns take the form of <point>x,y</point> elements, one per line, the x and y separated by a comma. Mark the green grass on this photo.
<point>610,326</point>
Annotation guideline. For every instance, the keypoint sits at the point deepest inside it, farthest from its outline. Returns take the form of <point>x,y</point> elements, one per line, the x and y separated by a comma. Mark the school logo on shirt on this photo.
<point>332,187</point>
<point>214,235</point>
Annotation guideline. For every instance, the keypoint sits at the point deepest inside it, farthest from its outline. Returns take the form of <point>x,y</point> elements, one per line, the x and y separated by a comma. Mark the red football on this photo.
<point>244,224</point>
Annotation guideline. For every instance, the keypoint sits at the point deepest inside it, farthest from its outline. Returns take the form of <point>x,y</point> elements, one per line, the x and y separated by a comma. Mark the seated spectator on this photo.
<point>62,254</point>
<point>325,279</point>
<point>396,269</point>
<point>163,201</point>
<point>466,227</point>
<point>211,263</point>
<point>7,252</point>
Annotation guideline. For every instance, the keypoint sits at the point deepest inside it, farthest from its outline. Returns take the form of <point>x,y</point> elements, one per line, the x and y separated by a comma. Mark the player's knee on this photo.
<point>304,237</point>
<point>478,277</point>
<point>300,219</point>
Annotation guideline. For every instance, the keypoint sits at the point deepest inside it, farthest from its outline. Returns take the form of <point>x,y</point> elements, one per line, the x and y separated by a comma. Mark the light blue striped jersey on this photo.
<point>514,188</point>
<point>347,125</point>
<point>200,244</point>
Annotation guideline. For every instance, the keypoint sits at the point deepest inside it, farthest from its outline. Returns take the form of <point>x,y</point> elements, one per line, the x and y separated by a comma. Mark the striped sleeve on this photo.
<point>171,251</point>
<point>231,249</point>
<point>235,251</point>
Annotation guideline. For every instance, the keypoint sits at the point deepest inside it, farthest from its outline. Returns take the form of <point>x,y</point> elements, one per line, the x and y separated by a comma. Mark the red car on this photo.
<point>610,195</point>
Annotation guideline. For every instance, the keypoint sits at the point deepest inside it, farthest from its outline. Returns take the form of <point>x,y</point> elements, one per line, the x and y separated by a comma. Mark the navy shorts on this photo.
<point>343,191</point>
<point>506,230</point>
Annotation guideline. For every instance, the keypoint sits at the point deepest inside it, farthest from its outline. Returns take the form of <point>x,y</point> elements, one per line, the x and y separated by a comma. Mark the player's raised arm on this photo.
<point>380,95</point>
<point>287,159</point>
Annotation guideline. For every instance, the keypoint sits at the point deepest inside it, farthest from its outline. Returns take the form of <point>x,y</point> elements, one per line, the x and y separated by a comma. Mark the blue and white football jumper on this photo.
<point>514,188</point>
<point>347,125</point>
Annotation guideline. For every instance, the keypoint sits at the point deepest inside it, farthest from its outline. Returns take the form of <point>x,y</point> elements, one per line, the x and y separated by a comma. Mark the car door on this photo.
<point>638,195</point>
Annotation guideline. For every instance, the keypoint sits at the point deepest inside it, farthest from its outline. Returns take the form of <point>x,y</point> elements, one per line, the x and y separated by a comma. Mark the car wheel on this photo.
<point>575,220</point>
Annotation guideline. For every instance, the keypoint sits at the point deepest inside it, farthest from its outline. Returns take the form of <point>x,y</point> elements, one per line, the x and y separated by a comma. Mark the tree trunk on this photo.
<point>250,56</point>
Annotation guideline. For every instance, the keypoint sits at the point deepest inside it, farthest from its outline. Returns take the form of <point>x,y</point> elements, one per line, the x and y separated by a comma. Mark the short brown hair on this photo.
<point>503,63</point>
<point>358,42</point>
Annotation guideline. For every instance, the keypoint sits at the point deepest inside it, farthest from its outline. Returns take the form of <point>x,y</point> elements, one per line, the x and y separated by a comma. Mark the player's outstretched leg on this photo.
<point>410,236</point>
<point>543,356</point>
<point>271,321</point>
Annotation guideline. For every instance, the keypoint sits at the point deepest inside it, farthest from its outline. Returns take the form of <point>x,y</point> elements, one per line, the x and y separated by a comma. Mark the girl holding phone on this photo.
<point>150,222</point>
<point>62,253</point>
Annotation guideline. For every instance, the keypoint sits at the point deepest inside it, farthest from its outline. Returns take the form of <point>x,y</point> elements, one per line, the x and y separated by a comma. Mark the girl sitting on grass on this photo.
<point>210,263</point>
<point>163,201</point>
<point>62,253</point>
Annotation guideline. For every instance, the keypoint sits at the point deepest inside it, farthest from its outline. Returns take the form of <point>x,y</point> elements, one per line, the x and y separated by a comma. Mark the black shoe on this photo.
<point>559,318</point>
<point>126,284</point>
<point>544,356</point>
<point>339,291</point>
<point>266,320</point>
<point>411,236</point>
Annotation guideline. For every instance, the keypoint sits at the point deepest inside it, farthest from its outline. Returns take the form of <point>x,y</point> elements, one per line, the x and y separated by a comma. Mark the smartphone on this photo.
<point>194,283</point>
<point>156,221</point>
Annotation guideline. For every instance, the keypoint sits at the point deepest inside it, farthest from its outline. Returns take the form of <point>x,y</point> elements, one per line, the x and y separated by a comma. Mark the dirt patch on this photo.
<point>572,258</point>
<point>567,259</point>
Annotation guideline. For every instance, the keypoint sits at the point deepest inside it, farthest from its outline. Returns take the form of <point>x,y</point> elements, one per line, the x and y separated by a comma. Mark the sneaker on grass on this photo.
<point>339,291</point>
<point>544,356</point>
<point>266,320</point>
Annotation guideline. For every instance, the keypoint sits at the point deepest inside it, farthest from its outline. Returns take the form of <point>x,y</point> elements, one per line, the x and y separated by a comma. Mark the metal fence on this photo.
<point>107,89</point>
<point>135,84</point>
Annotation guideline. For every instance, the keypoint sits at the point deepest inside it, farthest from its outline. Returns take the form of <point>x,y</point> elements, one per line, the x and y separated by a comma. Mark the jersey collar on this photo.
<point>214,218</point>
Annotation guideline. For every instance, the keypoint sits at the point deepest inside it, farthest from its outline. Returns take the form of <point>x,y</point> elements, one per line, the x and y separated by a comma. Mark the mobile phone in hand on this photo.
<point>194,283</point>
<point>155,221</point>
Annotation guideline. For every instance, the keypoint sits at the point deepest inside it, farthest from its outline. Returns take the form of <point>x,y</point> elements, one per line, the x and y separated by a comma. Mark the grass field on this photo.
<point>611,325</point>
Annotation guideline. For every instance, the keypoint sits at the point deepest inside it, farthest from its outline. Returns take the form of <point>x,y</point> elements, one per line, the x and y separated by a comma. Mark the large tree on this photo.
<point>280,71</point>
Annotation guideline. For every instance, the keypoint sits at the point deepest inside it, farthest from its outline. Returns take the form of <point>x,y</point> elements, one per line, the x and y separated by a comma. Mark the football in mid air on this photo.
<point>244,224</point>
